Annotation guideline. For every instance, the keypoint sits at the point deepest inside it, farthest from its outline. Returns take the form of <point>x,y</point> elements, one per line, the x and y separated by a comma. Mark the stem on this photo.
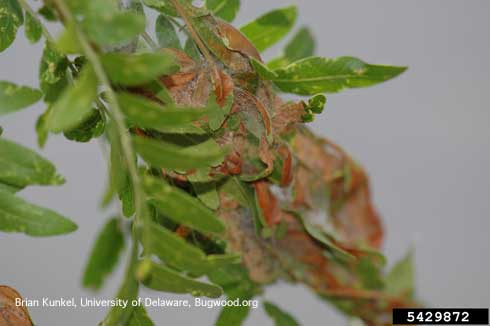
<point>120,125</point>
<point>149,41</point>
<point>193,32</point>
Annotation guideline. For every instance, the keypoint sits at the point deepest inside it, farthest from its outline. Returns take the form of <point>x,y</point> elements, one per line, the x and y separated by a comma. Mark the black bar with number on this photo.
<point>442,316</point>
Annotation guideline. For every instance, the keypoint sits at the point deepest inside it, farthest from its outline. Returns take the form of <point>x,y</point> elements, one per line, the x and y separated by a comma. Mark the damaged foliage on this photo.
<point>224,188</point>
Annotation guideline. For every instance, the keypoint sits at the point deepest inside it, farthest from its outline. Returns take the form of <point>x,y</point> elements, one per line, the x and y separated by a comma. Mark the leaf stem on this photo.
<point>149,41</point>
<point>193,32</point>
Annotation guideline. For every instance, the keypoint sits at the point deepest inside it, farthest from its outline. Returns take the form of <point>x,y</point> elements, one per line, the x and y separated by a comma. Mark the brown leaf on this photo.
<point>12,314</point>
<point>268,203</point>
<point>223,85</point>
<point>287,167</point>
<point>351,209</point>
<point>240,234</point>
<point>236,41</point>
<point>287,116</point>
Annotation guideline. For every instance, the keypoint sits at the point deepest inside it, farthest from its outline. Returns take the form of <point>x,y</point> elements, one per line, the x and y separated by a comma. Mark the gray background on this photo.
<point>424,139</point>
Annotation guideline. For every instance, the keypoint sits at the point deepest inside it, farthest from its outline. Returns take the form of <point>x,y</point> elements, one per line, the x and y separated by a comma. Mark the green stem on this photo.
<point>125,140</point>
<point>149,41</point>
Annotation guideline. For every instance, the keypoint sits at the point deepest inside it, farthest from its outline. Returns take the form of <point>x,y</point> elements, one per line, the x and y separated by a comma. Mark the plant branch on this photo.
<point>118,117</point>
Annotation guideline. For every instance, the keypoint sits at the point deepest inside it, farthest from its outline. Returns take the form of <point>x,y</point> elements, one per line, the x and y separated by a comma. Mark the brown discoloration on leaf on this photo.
<point>240,234</point>
<point>254,103</point>
<point>12,314</point>
<point>265,139</point>
<point>236,41</point>
<point>266,155</point>
<point>287,116</point>
<point>350,202</point>
<point>287,168</point>
<point>223,86</point>
<point>268,203</point>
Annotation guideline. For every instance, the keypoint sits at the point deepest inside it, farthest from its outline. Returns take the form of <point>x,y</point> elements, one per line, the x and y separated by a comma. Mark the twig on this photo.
<point>119,122</point>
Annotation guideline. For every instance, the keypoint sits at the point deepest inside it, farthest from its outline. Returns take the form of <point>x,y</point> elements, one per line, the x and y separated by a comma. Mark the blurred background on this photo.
<point>424,138</point>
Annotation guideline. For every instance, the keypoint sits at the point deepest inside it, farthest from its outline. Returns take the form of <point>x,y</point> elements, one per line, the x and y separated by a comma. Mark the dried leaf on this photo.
<point>12,314</point>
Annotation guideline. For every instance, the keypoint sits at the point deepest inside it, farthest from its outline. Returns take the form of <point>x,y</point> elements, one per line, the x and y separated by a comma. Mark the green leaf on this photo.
<point>92,127</point>
<point>225,9</point>
<point>166,35</point>
<point>280,317</point>
<point>114,29</point>
<point>11,17</point>
<point>150,114</point>
<point>128,291</point>
<point>13,7</point>
<point>231,315</point>
<point>204,188</point>
<point>17,215</point>
<point>181,207</point>
<point>33,29</point>
<point>318,234</point>
<point>190,48</point>
<point>19,166</point>
<point>401,280</point>
<point>271,27</point>
<point>53,65</point>
<point>68,41</point>
<point>301,46</point>
<point>235,281</point>
<point>9,188</point>
<point>14,98</point>
<point>74,104</point>
<point>162,278</point>
<point>317,103</point>
<point>369,274</point>
<point>52,73</point>
<point>104,255</point>
<point>119,176</point>
<point>322,75</point>
<point>263,70</point>
<point>48,13</point>
<point>168,155</point>
<point>175,251</point>
<point>162,6</point>
<point>140,317</point>
<point>137,69</point>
